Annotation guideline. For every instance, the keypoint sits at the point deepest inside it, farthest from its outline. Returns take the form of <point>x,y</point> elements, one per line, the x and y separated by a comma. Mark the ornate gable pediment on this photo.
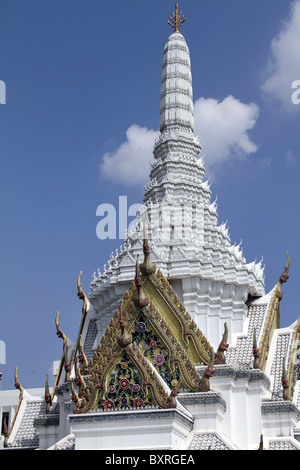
<point>148,352</point>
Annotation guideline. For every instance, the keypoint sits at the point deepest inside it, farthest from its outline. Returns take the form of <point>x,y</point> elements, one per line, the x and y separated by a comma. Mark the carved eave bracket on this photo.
<point>59,331</point>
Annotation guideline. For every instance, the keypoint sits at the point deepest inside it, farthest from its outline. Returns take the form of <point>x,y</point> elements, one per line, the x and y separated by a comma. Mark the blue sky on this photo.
<point>82,92</point>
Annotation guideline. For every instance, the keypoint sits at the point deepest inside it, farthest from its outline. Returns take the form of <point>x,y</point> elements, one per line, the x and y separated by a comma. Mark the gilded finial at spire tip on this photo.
<point>176,20</point>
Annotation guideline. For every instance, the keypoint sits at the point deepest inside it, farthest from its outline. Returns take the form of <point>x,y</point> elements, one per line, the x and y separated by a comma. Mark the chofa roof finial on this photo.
<point>285,275</point>
<point>204,385</point>
<point>17,383</point>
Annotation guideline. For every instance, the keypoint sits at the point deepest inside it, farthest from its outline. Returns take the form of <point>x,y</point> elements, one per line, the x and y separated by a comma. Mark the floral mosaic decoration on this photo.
<point>125,388</point>
<point>155,350</point>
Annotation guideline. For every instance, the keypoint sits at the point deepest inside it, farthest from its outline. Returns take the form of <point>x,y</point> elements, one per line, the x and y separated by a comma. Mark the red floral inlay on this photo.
<point>109,405</point>
<point>124,384</point>
<point>138,403</point>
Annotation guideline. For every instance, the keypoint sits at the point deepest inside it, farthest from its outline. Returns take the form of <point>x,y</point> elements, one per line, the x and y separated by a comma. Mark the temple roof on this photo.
<point>153,354</point>
<point>149,350</point>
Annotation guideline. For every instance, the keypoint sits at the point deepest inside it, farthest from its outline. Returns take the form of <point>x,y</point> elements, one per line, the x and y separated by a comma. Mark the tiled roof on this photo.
<point>297,399</point>
<point>282,445</point>
<point>26,435</point>
<point>208,441</point>
<point>242,353</point>
<point>280,354</point>
<point>68,443</point>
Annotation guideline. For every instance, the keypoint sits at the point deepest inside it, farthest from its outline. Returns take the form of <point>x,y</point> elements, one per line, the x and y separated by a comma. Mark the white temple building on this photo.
<point>179,346</point>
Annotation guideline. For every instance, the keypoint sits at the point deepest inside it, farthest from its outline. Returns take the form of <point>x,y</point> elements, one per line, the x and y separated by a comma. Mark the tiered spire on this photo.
<point>176,101</point>
<point>177,172</point>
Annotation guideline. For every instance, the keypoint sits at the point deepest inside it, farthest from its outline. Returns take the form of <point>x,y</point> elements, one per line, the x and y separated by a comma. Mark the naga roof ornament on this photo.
<point>284,277</point>
<point>204,384</point>
<point>81,356</point>
<point>79,381</point>
<point>141,299</point>
<point>64,359</point>
<point>17,383</point>
<point>147,267</point>
<point>59,331</point>
<point>223,346</point>
<point>81,295</point>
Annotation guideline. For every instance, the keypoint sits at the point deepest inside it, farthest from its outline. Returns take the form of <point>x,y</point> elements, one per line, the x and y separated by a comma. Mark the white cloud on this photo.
<point>130,163</point>
<point>284,64</point>
<point>290,158</point>
<point>222,127</point>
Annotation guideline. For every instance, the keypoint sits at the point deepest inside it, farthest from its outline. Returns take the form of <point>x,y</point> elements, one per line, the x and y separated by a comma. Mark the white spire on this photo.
<point>176,174</point>
<point>176,97</point>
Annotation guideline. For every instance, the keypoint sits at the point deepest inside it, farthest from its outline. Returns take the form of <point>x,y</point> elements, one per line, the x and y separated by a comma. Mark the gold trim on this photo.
<point>189,329</point>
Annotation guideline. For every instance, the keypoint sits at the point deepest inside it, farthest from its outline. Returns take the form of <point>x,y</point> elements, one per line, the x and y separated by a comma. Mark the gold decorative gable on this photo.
<point>148,352</point>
